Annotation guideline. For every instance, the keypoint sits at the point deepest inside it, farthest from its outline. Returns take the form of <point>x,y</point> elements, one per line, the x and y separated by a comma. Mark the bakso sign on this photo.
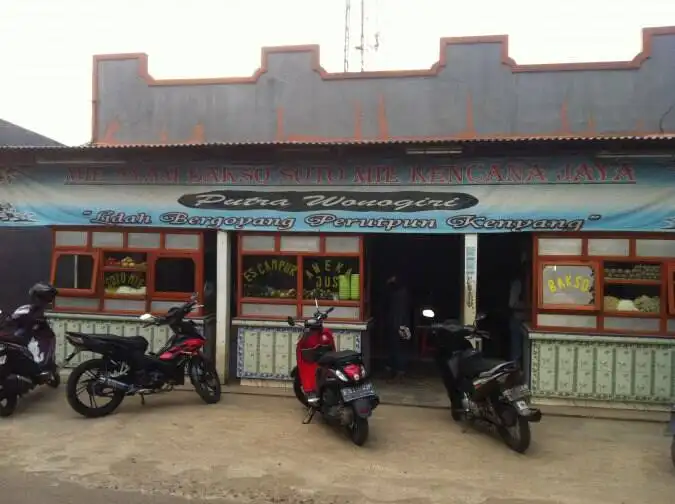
<point>371,201</point>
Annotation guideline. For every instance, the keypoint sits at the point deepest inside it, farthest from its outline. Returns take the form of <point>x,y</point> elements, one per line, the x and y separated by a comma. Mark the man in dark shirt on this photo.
<point>397,327</point>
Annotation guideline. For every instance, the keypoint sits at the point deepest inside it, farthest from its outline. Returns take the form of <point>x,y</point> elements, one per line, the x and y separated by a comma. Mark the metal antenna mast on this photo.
<point>347,48</point>
<point>362,46</point>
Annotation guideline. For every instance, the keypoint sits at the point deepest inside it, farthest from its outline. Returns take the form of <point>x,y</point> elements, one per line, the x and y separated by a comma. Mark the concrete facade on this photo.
<point>475,90</point>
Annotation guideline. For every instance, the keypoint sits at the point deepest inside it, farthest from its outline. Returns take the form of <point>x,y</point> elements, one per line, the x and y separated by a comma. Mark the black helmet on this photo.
<point>42,292</point>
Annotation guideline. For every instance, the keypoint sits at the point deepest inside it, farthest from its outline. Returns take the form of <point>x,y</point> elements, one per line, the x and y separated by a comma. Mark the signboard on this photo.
<point>477,196</point>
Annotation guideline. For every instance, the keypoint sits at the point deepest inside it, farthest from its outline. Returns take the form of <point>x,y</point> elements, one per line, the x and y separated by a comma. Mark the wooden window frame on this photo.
<point>152,254</point>
<point>666,292</point>
<point>298,301</point>
<point>595,265</point>
<point>94,274</point>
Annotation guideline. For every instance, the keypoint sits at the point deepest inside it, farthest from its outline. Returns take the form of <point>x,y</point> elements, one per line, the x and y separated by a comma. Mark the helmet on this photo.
<point>42,292</point>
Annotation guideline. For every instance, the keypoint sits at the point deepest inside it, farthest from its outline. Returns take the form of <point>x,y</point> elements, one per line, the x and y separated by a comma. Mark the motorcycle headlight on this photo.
<point>341,375</point>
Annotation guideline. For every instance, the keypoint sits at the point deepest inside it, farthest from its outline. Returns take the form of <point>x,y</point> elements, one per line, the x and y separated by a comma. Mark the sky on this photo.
<point>46,46</point>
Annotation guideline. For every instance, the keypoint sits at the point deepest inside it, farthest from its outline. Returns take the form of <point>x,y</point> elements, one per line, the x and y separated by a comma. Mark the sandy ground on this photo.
<point>255,449</point>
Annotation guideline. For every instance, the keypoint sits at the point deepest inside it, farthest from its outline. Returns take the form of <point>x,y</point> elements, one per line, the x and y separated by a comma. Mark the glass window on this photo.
<point>175,274</point>
<point>636,298</point>
<point>568,285</point>
<point>628,272</point>
<point>270,276</point>
<point>74,271</point>
<point>125,260</point>
<point>334,278</point>
<point>123,282</point>
<point>144,240</point>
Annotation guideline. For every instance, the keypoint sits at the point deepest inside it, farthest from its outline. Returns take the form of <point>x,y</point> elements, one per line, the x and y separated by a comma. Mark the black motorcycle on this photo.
<point>126,370</point>
<point>344,394</point>
<point>482,389</point>
<point>27,355</point>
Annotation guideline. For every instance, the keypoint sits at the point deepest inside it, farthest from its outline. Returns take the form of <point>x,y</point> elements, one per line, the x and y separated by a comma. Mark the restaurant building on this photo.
<point>264,193</point>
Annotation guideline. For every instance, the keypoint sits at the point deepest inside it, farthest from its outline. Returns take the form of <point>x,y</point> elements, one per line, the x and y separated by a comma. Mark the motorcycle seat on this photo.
<point>497,368</point>
<point>138,343</point>
<point>330,358</point>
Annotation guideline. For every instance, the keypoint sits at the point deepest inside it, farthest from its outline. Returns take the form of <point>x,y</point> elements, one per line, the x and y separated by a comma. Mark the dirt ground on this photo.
<point>255,449</point>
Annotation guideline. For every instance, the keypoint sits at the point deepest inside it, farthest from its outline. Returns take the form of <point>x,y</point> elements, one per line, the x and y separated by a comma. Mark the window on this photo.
<point>632,287</point>
<point>266,276</point>
<point>126,272</point>
<point>175,274</point>
<point>72,271</point>
<point>281,274</point>
<point>570,286</point>
<point>334,278</point>
<point>622,284</point>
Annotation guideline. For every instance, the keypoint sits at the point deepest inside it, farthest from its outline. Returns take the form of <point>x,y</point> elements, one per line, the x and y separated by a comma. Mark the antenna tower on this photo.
<point>364,45</point>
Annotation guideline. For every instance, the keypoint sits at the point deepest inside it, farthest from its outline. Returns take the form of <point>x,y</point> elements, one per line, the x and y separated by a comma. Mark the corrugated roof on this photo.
<point>14,135</point>
<point>351,142</point>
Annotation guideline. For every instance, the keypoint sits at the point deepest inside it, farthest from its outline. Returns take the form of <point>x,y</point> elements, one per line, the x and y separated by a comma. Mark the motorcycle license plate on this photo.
<point>350,394</point>
<point>515,393</point>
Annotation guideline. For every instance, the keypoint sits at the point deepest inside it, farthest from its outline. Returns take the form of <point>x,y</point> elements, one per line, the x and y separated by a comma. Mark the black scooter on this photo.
<point>482,389</point>
<point>18,359</point>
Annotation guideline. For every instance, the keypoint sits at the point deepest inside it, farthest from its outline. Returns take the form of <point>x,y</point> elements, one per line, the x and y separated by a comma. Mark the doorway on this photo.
<point>503,258</point>
<point>431,268</point>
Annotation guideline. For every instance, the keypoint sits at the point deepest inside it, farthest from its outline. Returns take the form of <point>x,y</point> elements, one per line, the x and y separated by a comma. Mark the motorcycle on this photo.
<point>126,370</point>
<point>17,360</point>
<point>482,389</point>
<point>333,383</point>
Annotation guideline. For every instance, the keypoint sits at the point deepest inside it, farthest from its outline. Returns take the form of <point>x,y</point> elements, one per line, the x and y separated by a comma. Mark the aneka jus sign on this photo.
<point>428,197</point>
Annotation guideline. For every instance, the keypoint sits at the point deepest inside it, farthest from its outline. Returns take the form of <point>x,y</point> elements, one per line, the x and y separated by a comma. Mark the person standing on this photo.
<point>517,313</point>
<point>397,327</point>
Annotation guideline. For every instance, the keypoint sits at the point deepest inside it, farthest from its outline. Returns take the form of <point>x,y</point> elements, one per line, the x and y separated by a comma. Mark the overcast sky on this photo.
<point>46,45</point>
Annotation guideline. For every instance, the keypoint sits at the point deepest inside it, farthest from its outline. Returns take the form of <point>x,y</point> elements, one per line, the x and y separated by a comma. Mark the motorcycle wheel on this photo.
<point>94,368</point>
<point>8,403</point>
<point>299,393</point>
<point>358,432</point>
<point>517,437</point>
<point>205,380</point>
<point>672,450</point>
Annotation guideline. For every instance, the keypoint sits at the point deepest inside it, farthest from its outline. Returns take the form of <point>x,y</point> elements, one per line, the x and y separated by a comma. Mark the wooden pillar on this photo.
<point>224,293</point>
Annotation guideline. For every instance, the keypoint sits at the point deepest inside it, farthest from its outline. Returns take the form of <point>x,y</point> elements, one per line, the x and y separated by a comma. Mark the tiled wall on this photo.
<point>269,352</point>
<point>614,369</point>
<point>109,324</point>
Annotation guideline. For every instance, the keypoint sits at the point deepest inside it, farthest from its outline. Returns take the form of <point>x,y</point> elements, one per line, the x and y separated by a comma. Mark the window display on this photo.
<point>133,269</point>
<point>289,269</point>
<point>624,294</point>
<point>330,278</point>
<point>570,285</point>
<point>270,276</point>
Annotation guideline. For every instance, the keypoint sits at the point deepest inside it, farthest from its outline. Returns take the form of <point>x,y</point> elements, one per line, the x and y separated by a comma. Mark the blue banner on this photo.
<point>477,196</point>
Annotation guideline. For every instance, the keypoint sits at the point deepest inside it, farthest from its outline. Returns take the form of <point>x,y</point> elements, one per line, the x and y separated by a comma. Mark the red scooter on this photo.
<point>333,383</point>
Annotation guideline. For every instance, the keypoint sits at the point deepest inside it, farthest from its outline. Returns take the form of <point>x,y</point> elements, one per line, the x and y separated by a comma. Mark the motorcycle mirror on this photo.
<point>146,317</point>
<point>290,321</point>
<point>428,313</point>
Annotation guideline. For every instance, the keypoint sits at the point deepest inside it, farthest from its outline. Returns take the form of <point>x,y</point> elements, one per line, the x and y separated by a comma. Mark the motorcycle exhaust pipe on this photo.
<point>116,384</point>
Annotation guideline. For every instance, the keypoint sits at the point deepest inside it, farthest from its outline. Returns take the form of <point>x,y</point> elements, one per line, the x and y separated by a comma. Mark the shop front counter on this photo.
<point>265,350</point>
<point>600,370</point>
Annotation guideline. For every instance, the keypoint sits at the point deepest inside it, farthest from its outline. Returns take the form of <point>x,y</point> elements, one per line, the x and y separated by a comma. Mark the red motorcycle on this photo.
<point>334,383</point>
<point>124,368</point>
